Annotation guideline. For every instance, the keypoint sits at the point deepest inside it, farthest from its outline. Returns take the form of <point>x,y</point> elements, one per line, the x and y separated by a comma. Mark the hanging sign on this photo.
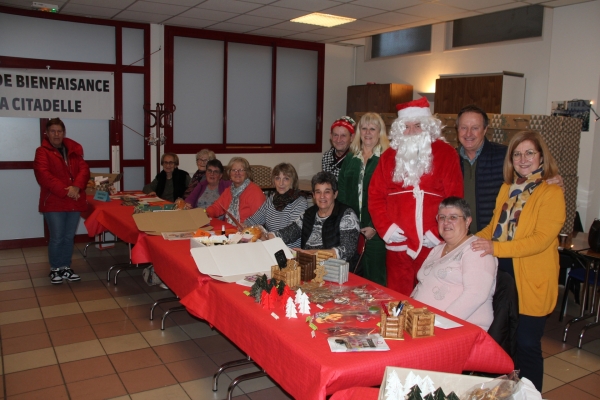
<point>41,93</point>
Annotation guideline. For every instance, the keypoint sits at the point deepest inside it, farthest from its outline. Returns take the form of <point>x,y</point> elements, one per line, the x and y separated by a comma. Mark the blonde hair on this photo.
<point>209,153</point>
<point>366,119</point>
<point>549,168</point>
<point>242,161</point>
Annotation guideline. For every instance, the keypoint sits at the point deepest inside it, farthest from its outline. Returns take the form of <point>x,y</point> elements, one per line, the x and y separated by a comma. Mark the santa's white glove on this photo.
<point>428,243</point>
<point>397,236</point>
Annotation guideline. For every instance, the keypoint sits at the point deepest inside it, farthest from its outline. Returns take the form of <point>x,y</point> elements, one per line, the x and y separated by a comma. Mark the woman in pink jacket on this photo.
<point>62,175</point>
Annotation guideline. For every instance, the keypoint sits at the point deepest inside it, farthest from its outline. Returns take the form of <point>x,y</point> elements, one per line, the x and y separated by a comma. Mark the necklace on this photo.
<point>448,249</point>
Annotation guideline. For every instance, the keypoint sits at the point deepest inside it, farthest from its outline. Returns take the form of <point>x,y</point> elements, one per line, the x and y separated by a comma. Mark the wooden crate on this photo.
<point>308,263</point>
<point>290,274</point>
<point>419,322</point>
<point>392,327</point>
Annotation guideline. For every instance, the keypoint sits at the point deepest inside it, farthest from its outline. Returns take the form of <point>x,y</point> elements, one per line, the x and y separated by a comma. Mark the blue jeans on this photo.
<point>62,227</point>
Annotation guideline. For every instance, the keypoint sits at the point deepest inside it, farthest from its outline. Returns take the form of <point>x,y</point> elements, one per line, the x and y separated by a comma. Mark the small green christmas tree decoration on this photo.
<point>452,396</point>
<point>428,397</point>
<point>439,394</point>
<point>414,393</point>
<point>280,287</point>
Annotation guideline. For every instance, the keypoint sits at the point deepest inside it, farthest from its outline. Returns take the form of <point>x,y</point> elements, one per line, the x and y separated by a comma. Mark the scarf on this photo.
<point>234,206</point>
<point>519,192</point>
<point>280,201</point>
<point>361,176</point>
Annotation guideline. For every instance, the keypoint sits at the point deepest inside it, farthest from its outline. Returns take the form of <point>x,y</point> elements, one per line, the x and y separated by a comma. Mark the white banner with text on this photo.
<point>51,94</point>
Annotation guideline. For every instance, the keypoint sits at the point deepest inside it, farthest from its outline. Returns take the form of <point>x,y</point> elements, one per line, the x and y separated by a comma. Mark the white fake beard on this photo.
<point>413,157</point>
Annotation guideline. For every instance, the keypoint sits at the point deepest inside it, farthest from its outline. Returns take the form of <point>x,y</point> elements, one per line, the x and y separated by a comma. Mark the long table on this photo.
<point>284,348</point>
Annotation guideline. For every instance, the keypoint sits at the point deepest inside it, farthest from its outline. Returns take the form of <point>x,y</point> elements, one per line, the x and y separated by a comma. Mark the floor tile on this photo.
<point>22,328</point>
<point>273,393</point>
<point>61,310</point>
<point>550,383</point>
<point>16,294</point>
<point>36,259</point>
<point>12,261</point>
<point>142,311</point>
<point>52,290</point>
<point>13,285</point>
<point>252,385</point>
<point>13,268</point>
<point>105,316</point>
<point>87,276</point>
<point>95,294</point>
<point>589,384</point>
<point>123,343</point>
<point>553,346</point>
<point>25,343</point>
<point>178,351</point>
<point>99,305</point>
<point>66,322</point>
<point>18,304</point>
<point>169,335</point>
<point>201,389</point>
<point>141,380</point>
<point>593,347</point>
<point>199,330</point>
<point>11,253</point>
<point>568,392</point>
<point>34,251</point>
<point>168,392</point>
<point>563,370</point>
<point>33,379</point>
<point>144,324</point>
<point>29,360</point>
<point>14,276</point>
<point>79,351</point>
<point>57,299</point>
<point>135,300</point>
<point>12,317</point>
<point>214,344</point>
<point>193,368</point>
<point>136,359</point>
<point>103,387</point>
<point>117,328</point>
<point>581,358</point>
<point>72,335</point>
<point>54,393</point>
<point>87,369</point>
<point>45,266</point>
<point>84,286</point>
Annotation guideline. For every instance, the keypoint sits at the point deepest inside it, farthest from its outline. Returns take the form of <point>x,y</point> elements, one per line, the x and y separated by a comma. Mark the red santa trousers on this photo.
<point>402,270</point>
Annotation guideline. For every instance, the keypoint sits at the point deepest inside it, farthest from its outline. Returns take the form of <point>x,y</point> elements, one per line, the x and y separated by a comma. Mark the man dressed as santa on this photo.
<point>413,176</point>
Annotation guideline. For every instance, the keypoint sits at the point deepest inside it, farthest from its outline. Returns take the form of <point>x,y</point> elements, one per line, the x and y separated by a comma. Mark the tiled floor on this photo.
<point>93,340</point>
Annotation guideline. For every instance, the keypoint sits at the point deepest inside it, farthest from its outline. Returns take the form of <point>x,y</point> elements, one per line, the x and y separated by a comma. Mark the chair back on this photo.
<point>506,313</point>
<point>262,176</point>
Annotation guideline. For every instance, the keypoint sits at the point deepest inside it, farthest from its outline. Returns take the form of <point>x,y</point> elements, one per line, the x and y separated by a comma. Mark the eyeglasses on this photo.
<point>441,218</point>
<point>238,171</point>
<point>213,171</point>
<point>204,160</point>
<point>529,154</point>
<point>168,162</point>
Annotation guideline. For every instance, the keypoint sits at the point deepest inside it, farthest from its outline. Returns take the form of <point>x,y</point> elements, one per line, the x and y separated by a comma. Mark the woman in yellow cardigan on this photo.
<point>523,233</point>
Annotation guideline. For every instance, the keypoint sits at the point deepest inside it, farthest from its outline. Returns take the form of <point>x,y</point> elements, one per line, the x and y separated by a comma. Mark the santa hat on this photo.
<point>414,109</point>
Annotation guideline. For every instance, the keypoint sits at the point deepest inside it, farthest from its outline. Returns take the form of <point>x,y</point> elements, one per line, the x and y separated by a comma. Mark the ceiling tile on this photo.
<point>430,10</point>
<point>210,15</point>
<point>156,8</point>
<point>189,22</point>
<point>474,4</point>
<point>187,3</point>
<point>335,31</point>
<point>503,7</point>
<point>98,12</point>
<point>120,4</point>
<point>560,3</point>
<point>259,1</point>
<point>295,26</point>
<point>234,6</point>
<point>254,21</point>
<point>277,12</point>
<point>361,25</point>
<point>309,36</point>
<point>464,14</point>
<point>229,27</point>
<point>393,18</point>
<point>138,16</point>
<point>272,32</point>
<point>306,5</point>
<point>352,11</point>
<point>388,5</point>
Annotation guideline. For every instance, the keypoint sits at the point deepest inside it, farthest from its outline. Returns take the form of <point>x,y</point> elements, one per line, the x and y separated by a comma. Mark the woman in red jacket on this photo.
<point>62,175</point>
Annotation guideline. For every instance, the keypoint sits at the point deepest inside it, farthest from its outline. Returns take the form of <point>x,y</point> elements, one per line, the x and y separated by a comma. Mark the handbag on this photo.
<point>594,236</point>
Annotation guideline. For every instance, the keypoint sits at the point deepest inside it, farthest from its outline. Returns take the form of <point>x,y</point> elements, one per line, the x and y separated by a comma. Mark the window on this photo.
<point>241,93</point>
<point>405,41</point>
<point>517,23</point>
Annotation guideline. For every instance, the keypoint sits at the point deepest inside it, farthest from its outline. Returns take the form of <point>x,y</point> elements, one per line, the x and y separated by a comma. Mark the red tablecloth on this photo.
<point>304,366</point>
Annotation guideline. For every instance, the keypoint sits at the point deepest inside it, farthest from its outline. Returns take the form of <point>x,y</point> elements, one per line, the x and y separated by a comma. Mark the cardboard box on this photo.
<point>112,178</point>
<point>448,382</point>
<point>154,223</point>
<point>230,263</point>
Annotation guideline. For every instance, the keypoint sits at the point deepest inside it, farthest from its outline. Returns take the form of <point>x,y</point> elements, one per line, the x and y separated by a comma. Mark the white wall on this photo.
<point>339,72</point>
<point>574,74</point>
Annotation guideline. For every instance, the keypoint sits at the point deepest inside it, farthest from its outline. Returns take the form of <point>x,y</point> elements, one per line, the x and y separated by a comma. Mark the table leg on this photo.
<point>227,365</point>
<point>169,311</point>
<point>241,378</point>
<point>157,302</point>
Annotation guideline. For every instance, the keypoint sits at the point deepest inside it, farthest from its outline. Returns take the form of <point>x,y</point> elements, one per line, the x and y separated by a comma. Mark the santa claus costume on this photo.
<point>414,175</point>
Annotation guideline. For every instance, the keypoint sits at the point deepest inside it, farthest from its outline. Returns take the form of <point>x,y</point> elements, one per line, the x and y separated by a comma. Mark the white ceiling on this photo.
<point>271,17</point>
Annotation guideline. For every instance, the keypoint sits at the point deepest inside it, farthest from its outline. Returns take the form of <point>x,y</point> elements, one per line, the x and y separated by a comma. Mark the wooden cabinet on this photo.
<point>496,93</point>
<point>379,98</point>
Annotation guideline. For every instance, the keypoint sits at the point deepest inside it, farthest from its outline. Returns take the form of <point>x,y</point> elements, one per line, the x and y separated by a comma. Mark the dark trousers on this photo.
<point>529,349</point>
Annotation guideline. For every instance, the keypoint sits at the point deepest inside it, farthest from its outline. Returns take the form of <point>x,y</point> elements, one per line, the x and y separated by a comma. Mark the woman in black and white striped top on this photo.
<point>284,206</point>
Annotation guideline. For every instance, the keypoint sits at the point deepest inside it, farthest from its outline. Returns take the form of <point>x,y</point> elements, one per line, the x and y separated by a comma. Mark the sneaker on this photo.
<point>56,276</point>
<point>69,275</point>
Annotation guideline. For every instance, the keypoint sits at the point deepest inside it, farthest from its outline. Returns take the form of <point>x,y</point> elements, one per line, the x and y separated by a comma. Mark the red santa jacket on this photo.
<point>392,206</point>
<point>54,175</point>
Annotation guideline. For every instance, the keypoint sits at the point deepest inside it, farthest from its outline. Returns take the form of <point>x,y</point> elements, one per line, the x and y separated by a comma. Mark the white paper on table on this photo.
<point>151,200</point>
<point>445,323</point>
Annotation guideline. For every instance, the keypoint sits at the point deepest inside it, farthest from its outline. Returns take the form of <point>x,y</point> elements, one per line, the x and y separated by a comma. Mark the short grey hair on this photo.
<point>456,202</point>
